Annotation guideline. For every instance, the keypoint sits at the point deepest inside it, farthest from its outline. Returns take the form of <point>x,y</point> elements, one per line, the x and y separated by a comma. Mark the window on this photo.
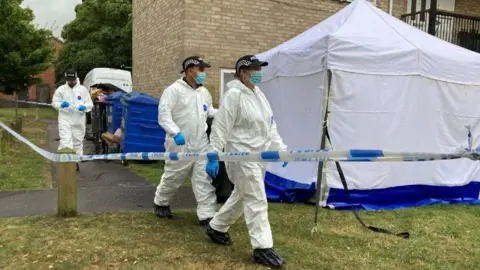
<point>226,75</point>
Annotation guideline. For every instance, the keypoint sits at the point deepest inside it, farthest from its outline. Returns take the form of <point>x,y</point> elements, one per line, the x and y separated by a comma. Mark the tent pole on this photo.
<point>321,164</point>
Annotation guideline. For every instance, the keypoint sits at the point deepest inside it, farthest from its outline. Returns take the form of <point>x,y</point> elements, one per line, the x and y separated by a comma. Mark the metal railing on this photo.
<point>455,28</point>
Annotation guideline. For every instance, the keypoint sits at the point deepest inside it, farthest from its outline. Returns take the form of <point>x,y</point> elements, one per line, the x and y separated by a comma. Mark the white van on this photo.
<point>117,77</point>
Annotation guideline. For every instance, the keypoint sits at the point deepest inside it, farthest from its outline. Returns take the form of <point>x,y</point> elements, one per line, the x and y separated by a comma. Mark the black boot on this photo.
<point>218,237</point>
<point>205,222</point>
<point>162,211</point>
<point>267,257</point>
<point>78,167</point>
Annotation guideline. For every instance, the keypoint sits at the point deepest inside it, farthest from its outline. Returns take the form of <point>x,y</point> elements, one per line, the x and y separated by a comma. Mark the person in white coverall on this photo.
<point>244,123</point>
<point>72,101</point>
<point>182,112</point>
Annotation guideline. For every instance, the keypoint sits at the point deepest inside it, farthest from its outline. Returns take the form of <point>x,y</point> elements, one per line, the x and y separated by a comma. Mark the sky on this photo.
<point>52,14</point>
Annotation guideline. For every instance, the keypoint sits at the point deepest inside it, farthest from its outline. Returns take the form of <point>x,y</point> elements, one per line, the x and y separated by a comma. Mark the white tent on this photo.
<point>389,86</point>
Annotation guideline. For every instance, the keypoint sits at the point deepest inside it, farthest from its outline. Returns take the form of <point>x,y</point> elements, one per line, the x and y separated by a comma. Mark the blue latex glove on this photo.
<point>284,164</point>
<point>82,108</point>
<point>212,168</point>
<point>64,104</point>
<point>179,139</point>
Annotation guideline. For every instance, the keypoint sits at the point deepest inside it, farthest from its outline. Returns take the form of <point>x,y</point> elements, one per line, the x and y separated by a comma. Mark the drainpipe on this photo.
<point>390,7</point>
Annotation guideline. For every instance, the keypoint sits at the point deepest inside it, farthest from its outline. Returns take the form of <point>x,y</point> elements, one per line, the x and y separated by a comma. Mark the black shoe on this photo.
<point>267,257</point>
<point>78,167</point>
<point>205,222</point>
<point>162,211</point>
<point>218,237</point>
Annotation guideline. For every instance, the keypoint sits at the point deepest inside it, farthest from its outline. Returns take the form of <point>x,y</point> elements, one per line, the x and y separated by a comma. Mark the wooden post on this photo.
<point>4,143</point>
<point>19,125</point>
<point>1,146</point>
<point>67,187</point>
<point>16,104</point>
<point>11,138</point>
<point>36,114</point>
<point>16,125</point>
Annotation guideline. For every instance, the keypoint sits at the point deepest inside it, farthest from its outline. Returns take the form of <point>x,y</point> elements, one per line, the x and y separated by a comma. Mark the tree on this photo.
<point>100,36</point>
<point>25,51</point>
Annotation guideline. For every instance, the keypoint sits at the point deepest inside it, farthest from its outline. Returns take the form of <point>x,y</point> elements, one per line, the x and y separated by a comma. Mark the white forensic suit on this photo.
<point>244,123</point>
<point>184,109</point>
<point>71,121</point>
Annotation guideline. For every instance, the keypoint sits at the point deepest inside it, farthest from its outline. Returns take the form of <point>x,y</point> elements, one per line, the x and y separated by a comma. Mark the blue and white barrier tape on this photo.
<point>34,102</point>
<point>353,155</point>
<point>70,107</point>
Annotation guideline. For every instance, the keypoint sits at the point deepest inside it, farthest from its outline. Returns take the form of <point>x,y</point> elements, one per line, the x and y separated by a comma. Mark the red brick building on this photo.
<point>42,92</point>
<point>166,31</point>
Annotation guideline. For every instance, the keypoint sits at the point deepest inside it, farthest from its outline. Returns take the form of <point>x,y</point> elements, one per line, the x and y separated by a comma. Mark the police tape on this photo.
<point>34,102</point>
<point>70,107</point>
<point>308,155</point>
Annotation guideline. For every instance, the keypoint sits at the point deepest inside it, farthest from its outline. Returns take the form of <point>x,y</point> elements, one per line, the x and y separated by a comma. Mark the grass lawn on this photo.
<point>442,237</point>
<point>43,113</point>
<point>152,171</point>
<point>22,168</point>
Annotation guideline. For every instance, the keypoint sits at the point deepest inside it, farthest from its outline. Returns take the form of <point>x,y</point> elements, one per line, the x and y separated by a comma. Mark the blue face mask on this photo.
<point>256,77</point>
<point>200,78</point>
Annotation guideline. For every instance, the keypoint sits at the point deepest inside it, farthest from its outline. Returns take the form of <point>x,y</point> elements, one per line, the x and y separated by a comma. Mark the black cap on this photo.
<point>249,61</point>
<point>71,74</point>
<point>193,61</point>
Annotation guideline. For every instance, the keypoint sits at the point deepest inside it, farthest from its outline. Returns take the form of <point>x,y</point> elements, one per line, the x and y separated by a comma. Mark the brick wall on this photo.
<point>468,7</point>
<point>158,34</point>
<point>399,6</point>
<point>47,77</point>
<point>220,31</point>
<point>224,30</point>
